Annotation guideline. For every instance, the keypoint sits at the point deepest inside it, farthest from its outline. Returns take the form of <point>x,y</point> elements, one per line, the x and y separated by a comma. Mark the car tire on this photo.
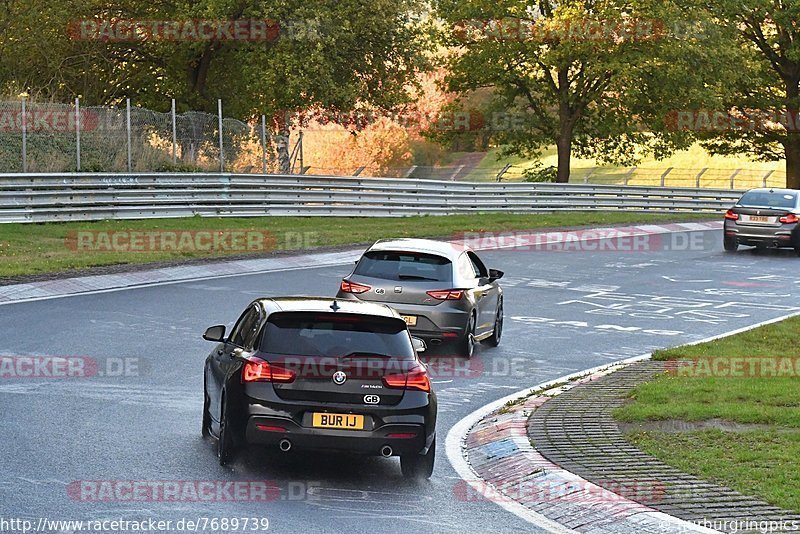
<point>466,346</point>
<point>730,244</point>
<point>419,466</point>
<point>494,339</point>
<point>206,430</point>
<point>225,442</point>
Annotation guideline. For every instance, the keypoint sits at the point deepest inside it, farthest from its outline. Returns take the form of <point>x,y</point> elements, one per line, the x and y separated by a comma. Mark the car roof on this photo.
<point>776,190</point>
<point>324,305</point>
<point>426,246</point>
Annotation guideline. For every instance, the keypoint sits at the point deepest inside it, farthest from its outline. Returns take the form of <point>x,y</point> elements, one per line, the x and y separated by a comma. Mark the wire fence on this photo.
<point>54,137</point>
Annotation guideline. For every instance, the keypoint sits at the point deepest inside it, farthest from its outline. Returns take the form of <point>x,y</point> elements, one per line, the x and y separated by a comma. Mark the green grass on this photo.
<point>42,248</point>
<point>686,164</point>
<point>760,461</point>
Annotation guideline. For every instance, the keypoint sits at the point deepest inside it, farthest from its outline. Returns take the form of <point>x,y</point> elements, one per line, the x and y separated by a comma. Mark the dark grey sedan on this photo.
<point>764,218</point>
<point>443,291</point>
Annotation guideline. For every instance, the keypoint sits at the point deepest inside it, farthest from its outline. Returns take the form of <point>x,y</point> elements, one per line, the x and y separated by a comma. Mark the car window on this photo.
<point>390,265</point>
<point>245,330</point>
<point>335,335</point>
<point>766,199</point>
<point>480,269</point>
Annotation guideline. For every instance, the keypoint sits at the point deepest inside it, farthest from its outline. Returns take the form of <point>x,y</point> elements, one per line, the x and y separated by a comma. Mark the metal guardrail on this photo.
<point>96,196</point>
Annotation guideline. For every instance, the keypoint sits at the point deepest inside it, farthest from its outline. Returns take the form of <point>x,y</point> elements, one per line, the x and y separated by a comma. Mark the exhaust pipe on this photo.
<point>285,445</point>
<point>386,451</point>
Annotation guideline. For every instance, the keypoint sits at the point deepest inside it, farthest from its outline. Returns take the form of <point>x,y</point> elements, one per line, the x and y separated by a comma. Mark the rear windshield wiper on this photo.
<point>416,277</point>
<point>354,355</point>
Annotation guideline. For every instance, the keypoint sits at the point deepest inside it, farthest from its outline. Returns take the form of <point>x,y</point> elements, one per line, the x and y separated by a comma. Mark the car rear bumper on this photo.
<point>442,322</point>
<point>402,438</point>
<point>414,414</point>
<point>770,236</point>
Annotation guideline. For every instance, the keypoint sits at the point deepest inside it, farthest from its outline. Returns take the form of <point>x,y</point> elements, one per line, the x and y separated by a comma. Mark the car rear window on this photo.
<point>389,265</point>
<point>762,199</point>
<point>335,335</point>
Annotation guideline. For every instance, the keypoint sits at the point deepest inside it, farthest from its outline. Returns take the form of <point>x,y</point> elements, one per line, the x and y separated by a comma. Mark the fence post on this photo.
<point>221,149</point>
<point>24,138</point>
<point>300,142</point>
<point>629,174</point>
<point>588,175</point>
<point>174,136</point>
<point>78,132</point>
<point>128,125</point>
<point>664,176</point>
<point>766,177</point>
<point>733,177</point>
<point>499,177</point>
<point>264,144</point>
<point>700,175</point>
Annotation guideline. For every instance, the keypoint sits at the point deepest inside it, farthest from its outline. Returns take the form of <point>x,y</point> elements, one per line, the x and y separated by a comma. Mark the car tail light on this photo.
<point>789,218</point>
<point>731,216</point>
<point>401,435</point>
<point>447,294</point>
<point>352,287</point>
<point>416,379</point>
<point>256,370</point>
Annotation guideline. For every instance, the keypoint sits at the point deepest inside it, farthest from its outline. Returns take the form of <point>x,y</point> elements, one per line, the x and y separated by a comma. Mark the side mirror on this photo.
<point>419,345</point>
<point>494,274</point>
<point>215,333</point>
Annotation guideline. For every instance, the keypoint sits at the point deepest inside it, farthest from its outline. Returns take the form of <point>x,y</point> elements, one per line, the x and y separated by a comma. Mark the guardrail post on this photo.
<point>24,137</point>
<point>174,136</point>
<point>766,177</point>
<point>700,175</point>
<point>733,177</point>
<point>221,148</point>
<point>664,176</point>
<point>78,133</point>
<point>629,174</point>
<point>264,144</point>
<point>128,125</point>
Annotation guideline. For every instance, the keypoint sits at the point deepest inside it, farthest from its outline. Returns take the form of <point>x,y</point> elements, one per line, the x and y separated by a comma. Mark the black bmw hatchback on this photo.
<point>317,373</point>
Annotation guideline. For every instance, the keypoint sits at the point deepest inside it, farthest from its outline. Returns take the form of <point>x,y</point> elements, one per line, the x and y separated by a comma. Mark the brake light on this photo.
<point>270,428</point>
<point>416,379</point>
<point>256,370</point>
<point>447,294</point>
<point>731,216</point>
<point>789,218</point>
<point>352,287</point>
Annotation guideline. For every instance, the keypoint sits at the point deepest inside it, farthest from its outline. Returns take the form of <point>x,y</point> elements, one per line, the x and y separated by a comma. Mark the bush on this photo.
<point>540,174</point>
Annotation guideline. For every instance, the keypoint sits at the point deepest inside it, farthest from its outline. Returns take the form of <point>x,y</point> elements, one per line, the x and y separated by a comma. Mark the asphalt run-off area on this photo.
<point>125,442</point>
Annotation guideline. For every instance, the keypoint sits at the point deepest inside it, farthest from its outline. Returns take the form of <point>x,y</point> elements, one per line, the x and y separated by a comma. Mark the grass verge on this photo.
<point>27,249</point>
<point>765,391</point>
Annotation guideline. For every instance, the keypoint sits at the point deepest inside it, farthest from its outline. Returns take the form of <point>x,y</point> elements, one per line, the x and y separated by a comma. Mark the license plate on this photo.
<point>758,218</point>
<point>338,420</point>
<point>411,320</point>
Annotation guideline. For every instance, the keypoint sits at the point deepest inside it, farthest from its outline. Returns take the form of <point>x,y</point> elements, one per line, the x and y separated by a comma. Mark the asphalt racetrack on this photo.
<point>565,311</point>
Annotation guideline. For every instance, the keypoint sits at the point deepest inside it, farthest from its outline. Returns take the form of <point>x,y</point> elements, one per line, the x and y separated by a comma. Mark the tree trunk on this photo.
<point>564,146</point>
<point>792,149</point>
